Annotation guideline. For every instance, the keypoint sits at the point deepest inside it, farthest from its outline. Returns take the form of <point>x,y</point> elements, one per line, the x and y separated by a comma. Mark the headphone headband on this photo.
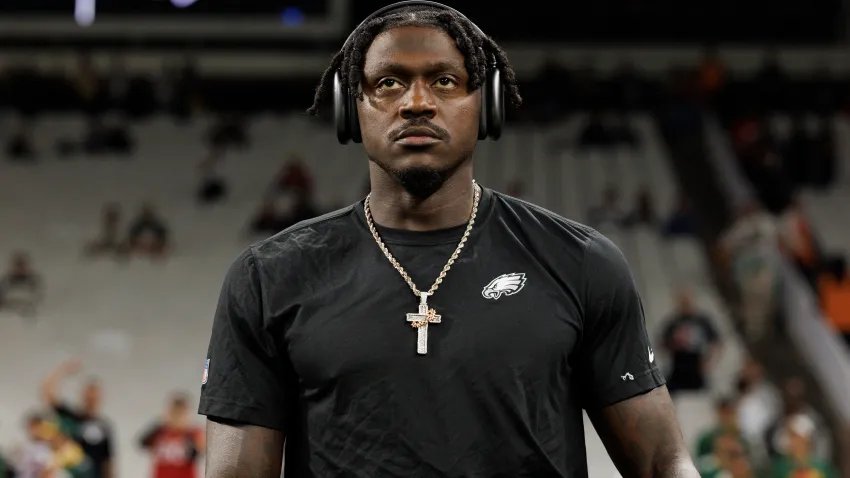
<point>409,3</point>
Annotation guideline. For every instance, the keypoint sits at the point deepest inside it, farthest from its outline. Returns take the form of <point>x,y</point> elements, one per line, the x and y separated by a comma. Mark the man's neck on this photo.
<point>391,206</point>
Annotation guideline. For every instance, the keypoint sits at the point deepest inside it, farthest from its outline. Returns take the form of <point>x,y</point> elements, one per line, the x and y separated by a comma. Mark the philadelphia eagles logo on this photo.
<point>505,284</point>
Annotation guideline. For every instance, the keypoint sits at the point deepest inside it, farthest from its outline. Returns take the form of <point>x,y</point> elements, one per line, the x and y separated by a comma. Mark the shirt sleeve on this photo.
<point>616,360</point>
<point>245,378</point>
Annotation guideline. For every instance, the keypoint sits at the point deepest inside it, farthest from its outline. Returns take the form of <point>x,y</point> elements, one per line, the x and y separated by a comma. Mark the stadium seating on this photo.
<point>143,327</point>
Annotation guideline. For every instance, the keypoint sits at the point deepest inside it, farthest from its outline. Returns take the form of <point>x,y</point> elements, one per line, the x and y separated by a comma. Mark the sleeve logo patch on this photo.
<point>206,372</point>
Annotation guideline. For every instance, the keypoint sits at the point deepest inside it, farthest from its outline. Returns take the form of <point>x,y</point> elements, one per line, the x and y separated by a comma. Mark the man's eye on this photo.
<point>446,82</point>
<point>388,84</point>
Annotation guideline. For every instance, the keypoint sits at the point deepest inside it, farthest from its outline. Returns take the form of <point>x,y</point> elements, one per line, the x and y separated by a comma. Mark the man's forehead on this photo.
<point>398,44</point>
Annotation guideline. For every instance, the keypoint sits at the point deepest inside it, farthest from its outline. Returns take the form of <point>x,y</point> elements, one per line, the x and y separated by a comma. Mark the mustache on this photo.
<point>419,122</point>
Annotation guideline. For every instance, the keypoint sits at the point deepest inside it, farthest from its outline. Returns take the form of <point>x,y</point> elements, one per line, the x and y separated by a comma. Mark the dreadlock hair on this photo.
<point>479,51</point>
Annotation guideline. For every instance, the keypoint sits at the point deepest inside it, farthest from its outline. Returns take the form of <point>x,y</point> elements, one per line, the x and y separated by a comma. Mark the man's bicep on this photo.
<point>237,450</point>
<point>643,438</point>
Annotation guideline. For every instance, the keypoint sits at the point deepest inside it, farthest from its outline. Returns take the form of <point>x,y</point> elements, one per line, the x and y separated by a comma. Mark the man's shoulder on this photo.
<point>319,234</point>
<point>565,230</point>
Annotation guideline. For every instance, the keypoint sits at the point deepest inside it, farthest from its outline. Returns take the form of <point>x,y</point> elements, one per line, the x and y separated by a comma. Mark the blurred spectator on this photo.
<point>643,212</point>
<point>34,457</point>
<point>174,442</point>
<point>21,146</point>
<point>794,405</point>
<point>85,424</point>
<point>834,292</point>
<point>609,213</point>
<point>68,458</point>
<point>108,137</point>
<point>681,222</point>
<point>728,459</point>
<point>229,131</point>
<point>20,288</point>
<point>758,403</point>
<point>727,424</point>
<point>748,248</point>
<point>712,74</point>
<point>798,242</point>
<point>109,241</point>
<point>692,342</point>
<point>182,90</point>
<point>86,83</point>
<point>268,220</point>
<point>213,187</point>
<point>798,459</point>
<point>148,235</point>
<point>294,176</point>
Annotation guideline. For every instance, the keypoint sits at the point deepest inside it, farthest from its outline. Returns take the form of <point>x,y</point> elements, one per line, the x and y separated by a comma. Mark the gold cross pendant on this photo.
<point>420,322</point>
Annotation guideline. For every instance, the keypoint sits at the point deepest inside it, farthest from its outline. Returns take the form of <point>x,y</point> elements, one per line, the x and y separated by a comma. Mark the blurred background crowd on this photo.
<point>144,143</point>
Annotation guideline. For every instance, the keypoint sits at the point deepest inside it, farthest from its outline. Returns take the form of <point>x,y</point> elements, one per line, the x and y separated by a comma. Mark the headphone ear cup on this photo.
<point>354,120</point>
<point>341,107</point>
<point>484,115</point>
<point>495,105</point>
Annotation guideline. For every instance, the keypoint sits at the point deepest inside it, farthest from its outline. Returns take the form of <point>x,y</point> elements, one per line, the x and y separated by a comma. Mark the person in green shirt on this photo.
<point>727,422</point>
<point>797,461</point>
<point>729,459</point>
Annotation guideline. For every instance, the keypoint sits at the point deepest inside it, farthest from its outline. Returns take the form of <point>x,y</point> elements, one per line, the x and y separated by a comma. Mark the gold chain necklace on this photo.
<point>426,315</point>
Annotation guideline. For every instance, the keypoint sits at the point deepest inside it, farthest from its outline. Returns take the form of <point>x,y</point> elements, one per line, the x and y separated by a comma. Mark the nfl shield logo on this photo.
<point>206,372</point>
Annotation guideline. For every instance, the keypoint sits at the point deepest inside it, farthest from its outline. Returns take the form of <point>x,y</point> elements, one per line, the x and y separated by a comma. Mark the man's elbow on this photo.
<point>675,465</point>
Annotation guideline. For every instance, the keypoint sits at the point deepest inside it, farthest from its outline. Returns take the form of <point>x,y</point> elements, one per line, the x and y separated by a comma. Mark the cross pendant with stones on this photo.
<point>420,322</point>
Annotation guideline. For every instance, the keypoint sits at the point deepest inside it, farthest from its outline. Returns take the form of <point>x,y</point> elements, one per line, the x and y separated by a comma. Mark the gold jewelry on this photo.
<point>425,315</point>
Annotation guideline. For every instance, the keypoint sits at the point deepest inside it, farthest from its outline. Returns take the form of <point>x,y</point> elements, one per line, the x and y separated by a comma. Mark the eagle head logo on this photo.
<point>505,284</point>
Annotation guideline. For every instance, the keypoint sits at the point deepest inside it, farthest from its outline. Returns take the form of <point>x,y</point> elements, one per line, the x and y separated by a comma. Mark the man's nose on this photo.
<point>418,101</point>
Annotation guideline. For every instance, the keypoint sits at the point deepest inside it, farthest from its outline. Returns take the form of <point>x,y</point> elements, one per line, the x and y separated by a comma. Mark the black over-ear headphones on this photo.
<point>492,116</point>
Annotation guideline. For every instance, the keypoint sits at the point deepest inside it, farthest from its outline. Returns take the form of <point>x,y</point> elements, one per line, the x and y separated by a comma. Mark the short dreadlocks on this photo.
<point>479,51</point>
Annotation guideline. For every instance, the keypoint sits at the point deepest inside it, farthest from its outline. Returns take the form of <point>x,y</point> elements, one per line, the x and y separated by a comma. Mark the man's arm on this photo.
<point>643,437</point>
<point>623,389</point>
<point>242,451</point>
<point>249,388</point>
<point>50,386</point>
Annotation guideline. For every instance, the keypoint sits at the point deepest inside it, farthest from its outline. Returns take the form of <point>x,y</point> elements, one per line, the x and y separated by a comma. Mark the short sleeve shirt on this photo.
<point>539,318</point>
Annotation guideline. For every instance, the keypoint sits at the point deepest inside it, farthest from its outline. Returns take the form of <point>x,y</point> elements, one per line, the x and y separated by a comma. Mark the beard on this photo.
<point>421,181</point>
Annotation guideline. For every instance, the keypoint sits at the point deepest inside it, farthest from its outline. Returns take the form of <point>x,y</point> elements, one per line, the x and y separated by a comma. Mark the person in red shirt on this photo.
<point>174,442</point>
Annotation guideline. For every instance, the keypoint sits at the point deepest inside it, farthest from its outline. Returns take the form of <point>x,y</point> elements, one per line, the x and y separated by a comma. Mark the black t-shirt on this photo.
<point>689,335</point>
<point>94,434</point>
<point>540,317</point>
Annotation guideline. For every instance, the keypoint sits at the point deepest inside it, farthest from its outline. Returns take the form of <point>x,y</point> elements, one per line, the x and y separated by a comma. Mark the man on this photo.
<point>174,442</point>
<point>317,337</point>
<point>693,344</point>
<point>21,288</point>
<point>148,234</point>
<point>85,425</point>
